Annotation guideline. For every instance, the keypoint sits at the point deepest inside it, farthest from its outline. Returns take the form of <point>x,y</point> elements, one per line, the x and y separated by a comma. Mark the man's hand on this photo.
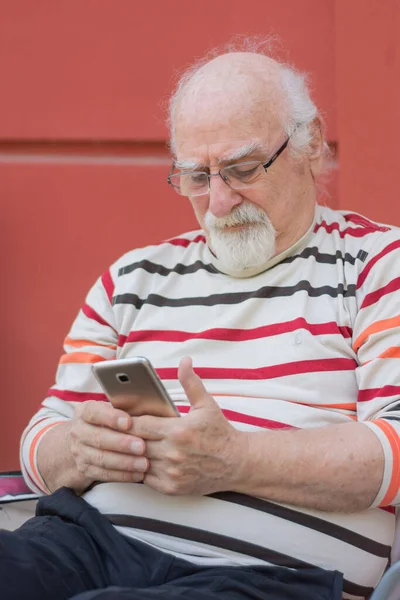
<point>102,447</point>
<point>196,454</point>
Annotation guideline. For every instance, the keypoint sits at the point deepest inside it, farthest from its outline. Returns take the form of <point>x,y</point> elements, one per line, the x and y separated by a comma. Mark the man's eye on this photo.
<point>244,171</point>
<point>198,178</point>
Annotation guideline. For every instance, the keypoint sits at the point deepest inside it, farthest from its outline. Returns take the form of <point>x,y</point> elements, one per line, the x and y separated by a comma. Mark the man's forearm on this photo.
<point>55,461</point>
<point>334,468</point>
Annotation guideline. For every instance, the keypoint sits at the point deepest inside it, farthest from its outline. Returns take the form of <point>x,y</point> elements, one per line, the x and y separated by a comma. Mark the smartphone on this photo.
<point>133,385</point>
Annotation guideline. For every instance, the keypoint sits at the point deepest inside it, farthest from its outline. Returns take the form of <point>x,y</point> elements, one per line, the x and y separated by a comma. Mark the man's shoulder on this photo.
<point>166,252</point>
<point>354,228</point>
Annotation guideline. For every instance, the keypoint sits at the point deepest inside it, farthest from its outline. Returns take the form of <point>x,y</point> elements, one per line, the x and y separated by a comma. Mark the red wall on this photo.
<point>82,143</point>
<point>367,58</point>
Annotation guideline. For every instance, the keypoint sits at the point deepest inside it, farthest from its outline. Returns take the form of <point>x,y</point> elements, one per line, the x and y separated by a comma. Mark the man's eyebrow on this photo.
<point>188,165</point>
<point>242,152</point>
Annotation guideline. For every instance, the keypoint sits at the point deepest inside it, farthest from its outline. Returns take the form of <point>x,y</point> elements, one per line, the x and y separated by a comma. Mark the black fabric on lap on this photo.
<point>69,550</point>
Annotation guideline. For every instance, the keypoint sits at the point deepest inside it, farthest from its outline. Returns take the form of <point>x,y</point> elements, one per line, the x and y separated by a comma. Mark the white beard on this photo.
<point>247,248</point>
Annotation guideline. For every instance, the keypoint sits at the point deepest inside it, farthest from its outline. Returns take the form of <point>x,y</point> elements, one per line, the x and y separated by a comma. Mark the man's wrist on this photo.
<point>247,461</point>
<point>55,462</point>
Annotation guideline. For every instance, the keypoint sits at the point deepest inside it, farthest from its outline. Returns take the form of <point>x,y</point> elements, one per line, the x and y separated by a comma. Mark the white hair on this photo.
<point>301,110</point>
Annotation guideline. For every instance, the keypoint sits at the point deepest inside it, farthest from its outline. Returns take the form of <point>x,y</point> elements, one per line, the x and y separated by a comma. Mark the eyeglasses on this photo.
<point>238,176</point>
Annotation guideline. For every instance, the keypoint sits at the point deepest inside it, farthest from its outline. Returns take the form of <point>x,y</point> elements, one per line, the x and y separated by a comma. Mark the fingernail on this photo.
<point>137,477</point>
<point>137,447</point>
<point>122,422</point>
<point>141,464</point>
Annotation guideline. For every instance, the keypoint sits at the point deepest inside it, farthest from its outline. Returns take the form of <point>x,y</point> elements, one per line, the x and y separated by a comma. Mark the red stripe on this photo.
<point>237,417</point>
<point>122,340</point>
<point>34,483</point>
<point>108,284</point>
<point>292,368</point>
<point>353,231</point>
<point>37,423</point>
<point>361,220</point>
<point>383,392</point>
<point>184,242</point>
<point>235,335</point>
<point>92,314</point>
<point>373,297</point>
<point>372,262</point>
<point>68,395</point>
<point>389,509</point>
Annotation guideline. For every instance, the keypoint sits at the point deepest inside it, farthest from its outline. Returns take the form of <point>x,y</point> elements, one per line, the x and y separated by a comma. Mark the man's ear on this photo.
<point>316,146</point>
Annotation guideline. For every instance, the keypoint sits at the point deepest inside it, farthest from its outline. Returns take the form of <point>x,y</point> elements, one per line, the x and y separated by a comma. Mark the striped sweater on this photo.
<point>312,340</point>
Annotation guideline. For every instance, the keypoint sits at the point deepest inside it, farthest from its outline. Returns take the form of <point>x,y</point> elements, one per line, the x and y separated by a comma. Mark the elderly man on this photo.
<point>283,474</point>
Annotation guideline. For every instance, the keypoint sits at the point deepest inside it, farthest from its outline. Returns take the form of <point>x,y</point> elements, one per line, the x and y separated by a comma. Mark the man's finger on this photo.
<point>107,439</point>
<point>115,461</point>
<point>151,428</point>
<point>193,385</point>
<point>104,414</point>
<point>99,474</point>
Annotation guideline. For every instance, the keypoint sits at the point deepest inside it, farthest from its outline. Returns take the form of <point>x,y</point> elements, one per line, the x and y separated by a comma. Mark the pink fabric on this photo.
<point>13,485</point>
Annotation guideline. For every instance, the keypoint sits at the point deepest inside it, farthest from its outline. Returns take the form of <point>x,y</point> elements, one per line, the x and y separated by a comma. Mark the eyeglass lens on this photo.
<point>237,176</point>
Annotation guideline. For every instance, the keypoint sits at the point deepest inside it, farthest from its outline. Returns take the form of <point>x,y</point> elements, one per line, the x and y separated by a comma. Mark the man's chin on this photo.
<point>234,260</point>
<point>240,266</point>
<point>241,249</point>
<point>231,234</point>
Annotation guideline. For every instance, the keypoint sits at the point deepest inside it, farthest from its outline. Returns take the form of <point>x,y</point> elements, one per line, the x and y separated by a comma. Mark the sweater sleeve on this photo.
<point>376,339</point>
<point>92,338</point>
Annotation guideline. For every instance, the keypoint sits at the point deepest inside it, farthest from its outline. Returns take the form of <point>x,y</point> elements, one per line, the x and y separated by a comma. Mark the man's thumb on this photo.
<point>193,385</point>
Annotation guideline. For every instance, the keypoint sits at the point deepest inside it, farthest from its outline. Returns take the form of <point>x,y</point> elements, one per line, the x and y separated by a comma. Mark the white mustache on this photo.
<point>242,215</point>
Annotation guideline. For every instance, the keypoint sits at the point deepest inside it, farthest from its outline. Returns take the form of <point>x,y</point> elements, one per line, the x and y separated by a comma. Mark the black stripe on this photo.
<point>362,255</point>
<point>206,537</point>
<point>237,297</point>
<point>391,418</point>
<point>394,407</point>
<point>150,267</point>
<point>356,590</point>
<point>222,541</point>
<point>180,269</point>
<point>322,257</point>
<point>16,474</point>
<point>309,521</point>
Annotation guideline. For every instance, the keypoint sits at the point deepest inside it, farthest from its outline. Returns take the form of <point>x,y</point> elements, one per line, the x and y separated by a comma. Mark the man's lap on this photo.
<point>71,550</point>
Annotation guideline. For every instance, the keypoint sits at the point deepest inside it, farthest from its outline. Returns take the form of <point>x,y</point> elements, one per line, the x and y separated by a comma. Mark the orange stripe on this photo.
<point>393,438</point>
<point>375,328</point>
<point>33,448</point>
<point>392,352</point>
<point>81,343</point>
<point>344,406</point>
<point>80,357</point>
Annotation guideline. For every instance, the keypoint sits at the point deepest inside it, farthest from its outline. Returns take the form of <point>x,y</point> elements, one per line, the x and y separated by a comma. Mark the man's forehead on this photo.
<point>239,114</point>
<point>204,127</point>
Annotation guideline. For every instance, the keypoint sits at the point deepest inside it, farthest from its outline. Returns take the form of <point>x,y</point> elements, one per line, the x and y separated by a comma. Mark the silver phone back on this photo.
<point>133,386</point>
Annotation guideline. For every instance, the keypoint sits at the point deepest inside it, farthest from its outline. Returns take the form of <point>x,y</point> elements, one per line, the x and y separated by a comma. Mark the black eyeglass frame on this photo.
<point>265,166</point>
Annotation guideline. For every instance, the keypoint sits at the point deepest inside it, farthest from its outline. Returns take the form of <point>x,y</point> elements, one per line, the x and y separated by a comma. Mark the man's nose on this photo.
<point>222,198</point>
